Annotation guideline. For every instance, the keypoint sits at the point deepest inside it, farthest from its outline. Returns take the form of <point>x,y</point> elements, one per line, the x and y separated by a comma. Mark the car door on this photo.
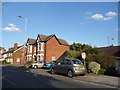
<point>66,66</point>
<point>58,67</point>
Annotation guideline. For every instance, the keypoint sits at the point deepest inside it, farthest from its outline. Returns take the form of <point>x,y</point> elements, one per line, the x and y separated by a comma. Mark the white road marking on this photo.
<point>9,81</point>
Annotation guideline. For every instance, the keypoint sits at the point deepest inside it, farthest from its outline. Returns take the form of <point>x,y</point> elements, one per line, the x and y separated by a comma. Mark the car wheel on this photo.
<point>70,73</point>
<point>52,71</point>
<point>35,67</point>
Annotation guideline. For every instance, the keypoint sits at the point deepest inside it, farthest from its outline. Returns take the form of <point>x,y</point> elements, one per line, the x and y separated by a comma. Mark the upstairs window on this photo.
<point>42,46</point>
<point>39,47</point>
<point>53,58</point>
<point>30,48</point>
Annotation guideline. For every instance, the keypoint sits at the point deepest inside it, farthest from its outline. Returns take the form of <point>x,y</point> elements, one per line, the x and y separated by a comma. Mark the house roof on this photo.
<point>46,38</point>
<point>12,50</point>
<point>111,50</point>
<point>2,48</point>
<point>31,41</point>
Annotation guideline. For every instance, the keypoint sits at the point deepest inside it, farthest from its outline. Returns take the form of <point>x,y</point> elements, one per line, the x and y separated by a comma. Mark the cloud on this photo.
<point>88,12</point>
<point>109,15</point>
<point>71,42</point>
<point>97,16</point>
<point>11,27</point>
<point>81,23</point>
<point>107,18</point>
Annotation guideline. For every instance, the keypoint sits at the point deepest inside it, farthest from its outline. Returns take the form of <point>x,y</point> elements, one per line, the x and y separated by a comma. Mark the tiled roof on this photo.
<point>63,42</point>
<point>46,38</point>
<point>11,51</point>
<point>111,50</point>
<point>31,41</point>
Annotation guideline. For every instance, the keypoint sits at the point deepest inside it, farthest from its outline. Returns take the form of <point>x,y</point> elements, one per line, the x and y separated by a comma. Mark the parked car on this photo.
<point>69,67</point>
<point>37,64</point>
<point>48,65</point>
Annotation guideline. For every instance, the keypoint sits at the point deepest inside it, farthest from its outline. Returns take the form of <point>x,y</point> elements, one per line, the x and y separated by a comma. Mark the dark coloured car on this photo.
<point>48,65</point>
<point>69,67</point>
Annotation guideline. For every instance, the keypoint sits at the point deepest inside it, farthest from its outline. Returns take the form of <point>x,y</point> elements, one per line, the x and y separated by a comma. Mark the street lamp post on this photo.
<point>23,52</point>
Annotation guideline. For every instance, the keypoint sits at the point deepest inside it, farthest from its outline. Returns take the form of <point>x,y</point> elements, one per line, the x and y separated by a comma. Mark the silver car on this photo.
<point>37,64</point>
<point>70,67</point>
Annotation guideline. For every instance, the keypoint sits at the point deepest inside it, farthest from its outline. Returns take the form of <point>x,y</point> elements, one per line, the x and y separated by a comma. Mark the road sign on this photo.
<point>83,55</point>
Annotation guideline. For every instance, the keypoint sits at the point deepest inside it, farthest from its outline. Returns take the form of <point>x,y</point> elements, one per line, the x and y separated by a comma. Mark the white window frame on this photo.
<point>18,60</point>
<point>38,44</point>
<point>42,46</point>
<point>53,58</point>
<point>30,48</point>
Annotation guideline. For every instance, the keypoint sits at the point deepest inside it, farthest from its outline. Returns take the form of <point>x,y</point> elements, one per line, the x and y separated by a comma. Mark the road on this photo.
<point>13,77</point>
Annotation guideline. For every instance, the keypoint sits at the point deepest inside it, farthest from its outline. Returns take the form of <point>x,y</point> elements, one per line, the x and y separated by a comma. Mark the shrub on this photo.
<point>105,61</point>
<point>28,64</point>
<point>102,71</point>
<point>5,62</point>
<point>94,67</point>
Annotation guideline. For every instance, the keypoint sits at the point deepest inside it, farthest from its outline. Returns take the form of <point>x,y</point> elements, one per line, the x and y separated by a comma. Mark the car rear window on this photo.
<point>77,62</point>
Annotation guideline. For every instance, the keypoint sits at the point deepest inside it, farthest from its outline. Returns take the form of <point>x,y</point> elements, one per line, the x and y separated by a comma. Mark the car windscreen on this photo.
<point>77,62</point>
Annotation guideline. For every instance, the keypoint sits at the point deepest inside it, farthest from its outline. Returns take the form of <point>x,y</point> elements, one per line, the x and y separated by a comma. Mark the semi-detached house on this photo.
<point>46,48</point>
<point>15,54</point>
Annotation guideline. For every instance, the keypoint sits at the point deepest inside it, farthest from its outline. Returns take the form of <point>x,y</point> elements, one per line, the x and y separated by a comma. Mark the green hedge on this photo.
<point>107,62</point>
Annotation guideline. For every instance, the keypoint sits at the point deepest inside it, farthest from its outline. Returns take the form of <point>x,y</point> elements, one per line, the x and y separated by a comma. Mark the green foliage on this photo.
<point>5,62</point>
<point>76,49</point>
<point>102,71</point>
<point>28,64</point>
<point>83,47</point>
<point>94,67</point>
<point>105,61</point>
<point>74,54</point>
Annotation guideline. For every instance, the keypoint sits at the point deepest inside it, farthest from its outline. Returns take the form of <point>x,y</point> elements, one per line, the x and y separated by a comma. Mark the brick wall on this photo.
<point>53,48</point>
<point>18,55</point>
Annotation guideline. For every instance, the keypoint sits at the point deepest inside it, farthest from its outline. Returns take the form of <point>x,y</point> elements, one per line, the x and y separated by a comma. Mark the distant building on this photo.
<point>111,51</point>
<point>2,50</point>
<point>14,55</point>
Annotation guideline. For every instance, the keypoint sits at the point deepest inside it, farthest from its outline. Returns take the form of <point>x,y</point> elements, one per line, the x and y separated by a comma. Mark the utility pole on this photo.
<point>23,52</point>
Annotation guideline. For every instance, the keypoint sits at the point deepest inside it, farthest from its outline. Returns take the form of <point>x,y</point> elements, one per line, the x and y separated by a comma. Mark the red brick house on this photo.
<point>46,48</point>
<point>15,54</point>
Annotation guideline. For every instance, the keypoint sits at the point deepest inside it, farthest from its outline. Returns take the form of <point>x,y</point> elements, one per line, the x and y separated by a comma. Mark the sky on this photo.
<point>89,23</point>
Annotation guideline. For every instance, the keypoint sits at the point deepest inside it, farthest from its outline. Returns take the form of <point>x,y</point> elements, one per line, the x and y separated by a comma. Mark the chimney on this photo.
<point>10,48</point>
<point>15,45</point>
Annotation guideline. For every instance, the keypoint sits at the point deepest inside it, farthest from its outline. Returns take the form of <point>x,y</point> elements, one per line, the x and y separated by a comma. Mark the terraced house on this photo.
<point>46,48</point>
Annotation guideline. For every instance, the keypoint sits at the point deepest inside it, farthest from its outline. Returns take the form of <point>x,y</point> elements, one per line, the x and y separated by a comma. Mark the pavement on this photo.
<point>101,79</point>
<point>98,79</point>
